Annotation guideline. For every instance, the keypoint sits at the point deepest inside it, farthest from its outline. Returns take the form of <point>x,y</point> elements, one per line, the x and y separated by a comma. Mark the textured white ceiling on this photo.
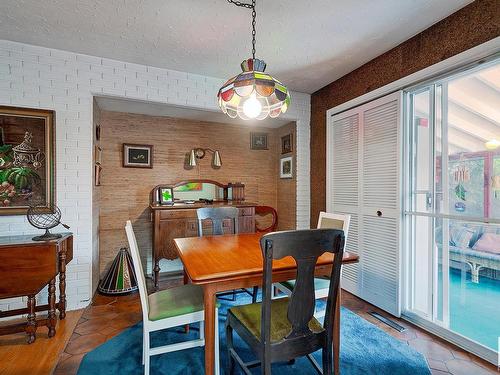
<point>306,44</point>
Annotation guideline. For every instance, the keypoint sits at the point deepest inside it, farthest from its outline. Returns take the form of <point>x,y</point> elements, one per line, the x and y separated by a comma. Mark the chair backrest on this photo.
<point>264,211</point>
<point>141,280</point>
<point>332,220</point>
<point>305,246</point>
<point>217,215</point>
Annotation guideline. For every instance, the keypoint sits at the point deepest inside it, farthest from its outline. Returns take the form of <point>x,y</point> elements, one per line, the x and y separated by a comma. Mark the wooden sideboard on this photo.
<point>180,220</point>
<point>26,267</point>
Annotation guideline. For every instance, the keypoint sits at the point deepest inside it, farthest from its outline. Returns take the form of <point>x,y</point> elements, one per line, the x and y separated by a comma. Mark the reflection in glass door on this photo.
<point>452,209</point>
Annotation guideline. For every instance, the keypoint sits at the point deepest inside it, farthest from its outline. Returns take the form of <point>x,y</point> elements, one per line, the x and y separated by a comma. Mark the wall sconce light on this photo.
<point>199,153</point>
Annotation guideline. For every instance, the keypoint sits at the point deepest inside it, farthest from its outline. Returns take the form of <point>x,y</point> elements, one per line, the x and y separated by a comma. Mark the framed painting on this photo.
<point>137,156</point>
<point>27,159</point>
<point>258,141</point>
<point>166,195</point>
<point>286,167</point>
<point>287,144</point>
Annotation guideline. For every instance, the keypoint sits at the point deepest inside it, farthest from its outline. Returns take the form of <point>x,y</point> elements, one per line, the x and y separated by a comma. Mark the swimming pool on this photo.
<point>475,308</point>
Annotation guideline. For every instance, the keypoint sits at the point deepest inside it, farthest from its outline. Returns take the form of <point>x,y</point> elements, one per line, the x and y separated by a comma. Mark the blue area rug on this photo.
<point>365,349</point>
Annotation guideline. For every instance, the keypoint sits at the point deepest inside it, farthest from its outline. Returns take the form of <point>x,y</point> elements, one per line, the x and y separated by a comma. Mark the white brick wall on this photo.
<point>66,82</point>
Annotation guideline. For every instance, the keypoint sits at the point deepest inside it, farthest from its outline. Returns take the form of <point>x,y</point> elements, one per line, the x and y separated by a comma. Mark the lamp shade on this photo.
<point>120,278</point>
<point>216,161</point>
<point>253,93</point>
<point>192,159</point>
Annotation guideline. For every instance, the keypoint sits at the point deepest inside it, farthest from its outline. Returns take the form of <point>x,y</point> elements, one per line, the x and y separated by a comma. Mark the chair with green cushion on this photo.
<point>279,330</point>
<point>326,221</point>
<point>168,308</point>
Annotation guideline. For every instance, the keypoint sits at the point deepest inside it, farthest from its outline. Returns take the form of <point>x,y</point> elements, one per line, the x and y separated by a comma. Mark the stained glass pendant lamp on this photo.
<point>253,94</point>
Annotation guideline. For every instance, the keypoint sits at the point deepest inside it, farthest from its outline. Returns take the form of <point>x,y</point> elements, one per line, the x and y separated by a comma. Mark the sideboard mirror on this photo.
<point>191,191</point>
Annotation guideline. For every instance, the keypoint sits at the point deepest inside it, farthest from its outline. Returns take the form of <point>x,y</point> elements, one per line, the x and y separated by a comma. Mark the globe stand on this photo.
<point>47,236</point>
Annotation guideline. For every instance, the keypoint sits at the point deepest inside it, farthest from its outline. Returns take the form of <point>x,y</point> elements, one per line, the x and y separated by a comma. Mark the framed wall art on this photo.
<point>258,141</point>
<point>287,144</point>
<point>27,159</point>
<point>166,195</point>
<point>137,156</point>
<point>286,167</point>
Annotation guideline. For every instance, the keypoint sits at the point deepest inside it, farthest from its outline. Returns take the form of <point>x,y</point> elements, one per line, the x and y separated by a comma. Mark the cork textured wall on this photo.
<point>470,26</point>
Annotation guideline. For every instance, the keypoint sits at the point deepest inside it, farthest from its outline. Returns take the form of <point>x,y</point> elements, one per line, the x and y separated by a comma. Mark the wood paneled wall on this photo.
<point>472,25</point>
<point>125,192</point>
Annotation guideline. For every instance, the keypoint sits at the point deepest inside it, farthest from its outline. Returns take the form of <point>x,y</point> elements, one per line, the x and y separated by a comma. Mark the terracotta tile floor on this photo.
<point>108,316</point>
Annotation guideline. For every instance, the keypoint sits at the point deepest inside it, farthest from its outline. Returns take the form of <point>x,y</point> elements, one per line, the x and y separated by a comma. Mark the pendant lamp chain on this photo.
<point>253,94</point>
<point>254,15</point>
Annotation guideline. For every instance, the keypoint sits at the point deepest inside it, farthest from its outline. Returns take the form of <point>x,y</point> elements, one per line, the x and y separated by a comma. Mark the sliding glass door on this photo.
<point>452,211</point>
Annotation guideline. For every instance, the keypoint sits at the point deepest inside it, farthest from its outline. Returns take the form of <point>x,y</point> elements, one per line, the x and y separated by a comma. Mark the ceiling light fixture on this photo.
<point>492,144</point>
<point>253,94</point>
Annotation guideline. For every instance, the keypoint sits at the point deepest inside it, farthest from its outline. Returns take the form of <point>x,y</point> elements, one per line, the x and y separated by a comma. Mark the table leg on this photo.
<point>31,325</point>
<point>62,283</point>
<point>156,274</point>
<point>51,319</point>
<point>186,281</point>
<point>209,301</point>
<point>336,335</point>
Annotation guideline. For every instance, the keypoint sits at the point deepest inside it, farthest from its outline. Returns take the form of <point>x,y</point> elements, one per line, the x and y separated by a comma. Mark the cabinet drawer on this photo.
<point>247,211</point>
<point>177,214</point>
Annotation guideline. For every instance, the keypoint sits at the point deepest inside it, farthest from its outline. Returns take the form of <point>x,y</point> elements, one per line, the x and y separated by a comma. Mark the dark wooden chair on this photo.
<point>217,215</point>
<point>283,329</point>
<point>264,211</point>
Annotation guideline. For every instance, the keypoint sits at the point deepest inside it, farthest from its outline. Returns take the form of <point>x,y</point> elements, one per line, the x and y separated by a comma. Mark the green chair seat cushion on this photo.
<point>176,301</point>
<point>319,284</point>
<point>250,318</point>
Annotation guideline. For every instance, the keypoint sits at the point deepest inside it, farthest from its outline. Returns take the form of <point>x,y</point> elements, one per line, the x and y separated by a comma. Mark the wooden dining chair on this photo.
<point>321,286</point>
<point>168,308</point>
<point>279,330</point>
<point>218,215</point>
<point>263,211</point>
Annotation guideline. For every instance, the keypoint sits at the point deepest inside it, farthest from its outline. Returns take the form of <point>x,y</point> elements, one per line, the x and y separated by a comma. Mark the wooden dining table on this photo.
<point>227,262</point>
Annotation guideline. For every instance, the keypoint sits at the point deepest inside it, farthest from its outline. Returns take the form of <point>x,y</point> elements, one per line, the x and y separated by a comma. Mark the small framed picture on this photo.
<point>258,141</point>
<point>137,156</point>
<point>166,195</point>
<point>287,144</point>
<point>286,167</point>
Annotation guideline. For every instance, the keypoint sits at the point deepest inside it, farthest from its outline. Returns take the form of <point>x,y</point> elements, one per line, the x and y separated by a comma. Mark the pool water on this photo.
<point>475,308</point>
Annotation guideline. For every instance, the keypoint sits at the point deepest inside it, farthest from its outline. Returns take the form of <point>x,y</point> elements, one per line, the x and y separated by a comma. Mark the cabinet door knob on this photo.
<point>379,213</point>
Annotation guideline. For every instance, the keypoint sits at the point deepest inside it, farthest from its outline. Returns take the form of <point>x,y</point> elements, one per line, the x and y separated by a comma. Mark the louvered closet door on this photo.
<point>364,180</point>
<point>381,203</point>
<point>344,137</point>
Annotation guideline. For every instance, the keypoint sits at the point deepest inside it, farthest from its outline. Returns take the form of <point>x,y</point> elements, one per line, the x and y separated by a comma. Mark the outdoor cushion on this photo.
<point>318,284</point>
<point>250,317</point>
<point>489,242</point>
<point>176,301</point>
<point>461,236</point>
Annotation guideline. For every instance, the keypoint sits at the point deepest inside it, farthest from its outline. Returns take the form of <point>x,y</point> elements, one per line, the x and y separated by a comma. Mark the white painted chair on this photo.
<point>169,308</point>
<point>321,286</point>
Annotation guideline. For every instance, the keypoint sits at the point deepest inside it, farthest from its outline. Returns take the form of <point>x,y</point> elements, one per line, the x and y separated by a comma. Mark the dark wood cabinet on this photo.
<point>180,221</point>
<point>27,267</point>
